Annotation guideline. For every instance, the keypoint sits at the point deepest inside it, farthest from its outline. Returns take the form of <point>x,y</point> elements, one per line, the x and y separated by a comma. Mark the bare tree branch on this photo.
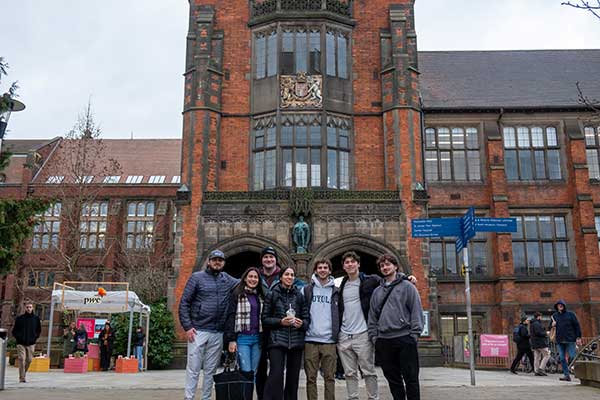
<point>593,7</point>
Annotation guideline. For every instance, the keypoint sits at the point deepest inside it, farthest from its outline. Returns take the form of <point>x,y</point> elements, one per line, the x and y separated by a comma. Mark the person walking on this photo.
<point>202,314</point>
<point>69,339</point>
<point>140,336</point>
<point>286,315</point>
<point>521,338</point>
<point>26,331</point>
<point>539,344</point>
<point>243,328</point>
<point>354,347</point>
<point>395,324</point>
<point>568,335</point>
<point>269,277</point>
<point>106,338</point>
<point>320,342</point>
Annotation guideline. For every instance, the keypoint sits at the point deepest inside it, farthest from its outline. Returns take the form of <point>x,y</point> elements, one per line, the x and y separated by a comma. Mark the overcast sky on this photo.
<point>127,56</point>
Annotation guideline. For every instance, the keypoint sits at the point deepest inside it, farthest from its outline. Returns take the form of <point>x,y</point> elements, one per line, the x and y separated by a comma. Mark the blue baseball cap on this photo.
<point>216,254</point>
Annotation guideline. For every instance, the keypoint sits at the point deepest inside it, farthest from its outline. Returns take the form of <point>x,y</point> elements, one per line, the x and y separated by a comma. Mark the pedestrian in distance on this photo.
<point>568,335</point>
<point>138,343</point>
<point>243,327</point>
<point>322,334</point>
<point>521,338</point>
<point>106,338</point>
<point>539,344</point>
<point>202,314</point>
<point>286,315</point>
<point>69,339</point>
<point>395,324</point>
<point>26,331</point>
<point>81,339</point>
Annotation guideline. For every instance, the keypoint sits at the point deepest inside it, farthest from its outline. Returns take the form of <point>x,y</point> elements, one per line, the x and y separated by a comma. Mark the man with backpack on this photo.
<point>395,324</point>
<point>521,338</point>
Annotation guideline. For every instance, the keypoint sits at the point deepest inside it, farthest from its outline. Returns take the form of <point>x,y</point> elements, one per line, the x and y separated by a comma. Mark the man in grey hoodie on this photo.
<point>395,323</point>
<point>321,337</point>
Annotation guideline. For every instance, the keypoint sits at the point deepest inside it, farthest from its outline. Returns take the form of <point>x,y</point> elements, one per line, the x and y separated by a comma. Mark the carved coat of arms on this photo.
<point>301,90</point>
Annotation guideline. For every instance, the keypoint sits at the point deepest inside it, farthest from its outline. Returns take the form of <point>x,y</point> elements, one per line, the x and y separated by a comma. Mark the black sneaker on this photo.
<point>565,378</point>
<point>512,371</point>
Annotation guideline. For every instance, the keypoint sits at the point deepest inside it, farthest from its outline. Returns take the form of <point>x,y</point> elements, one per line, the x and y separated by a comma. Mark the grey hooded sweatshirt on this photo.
<point>323,304</point>
<point>401,315</point>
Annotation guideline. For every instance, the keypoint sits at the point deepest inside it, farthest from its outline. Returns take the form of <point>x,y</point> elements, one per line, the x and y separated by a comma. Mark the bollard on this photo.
<point>3,346</point>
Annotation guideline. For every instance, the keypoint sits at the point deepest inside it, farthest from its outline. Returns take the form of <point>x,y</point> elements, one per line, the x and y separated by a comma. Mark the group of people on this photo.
<point>533,339</point>
<point>76,340</point>
<point>275,323</point>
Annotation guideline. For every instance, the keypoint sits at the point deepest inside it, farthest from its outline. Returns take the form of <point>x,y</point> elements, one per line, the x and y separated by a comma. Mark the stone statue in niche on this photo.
<point>301,235</point>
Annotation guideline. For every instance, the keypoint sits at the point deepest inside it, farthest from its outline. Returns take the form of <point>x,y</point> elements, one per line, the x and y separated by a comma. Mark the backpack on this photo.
<point>517,334</point>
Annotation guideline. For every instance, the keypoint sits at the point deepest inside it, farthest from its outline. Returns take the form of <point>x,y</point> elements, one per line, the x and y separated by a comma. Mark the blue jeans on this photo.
<point>563,348</point>
<point>139,354</point>
<point>248,347</point>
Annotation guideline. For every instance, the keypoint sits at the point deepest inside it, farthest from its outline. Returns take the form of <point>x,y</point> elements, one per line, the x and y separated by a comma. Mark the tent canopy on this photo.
<point>89,301</point>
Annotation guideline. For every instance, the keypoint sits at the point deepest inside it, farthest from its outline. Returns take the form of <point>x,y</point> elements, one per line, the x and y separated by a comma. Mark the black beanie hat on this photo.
<point>268,250</point>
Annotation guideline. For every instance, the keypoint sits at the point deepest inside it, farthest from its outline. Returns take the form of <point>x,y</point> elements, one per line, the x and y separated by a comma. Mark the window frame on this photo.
<point>592,148</point>
<point>539,240</point>
<point>521,149</point>
<point>147,243</point>
<point>451,150</point>
<point>87,219</point>
<point>52,216</point>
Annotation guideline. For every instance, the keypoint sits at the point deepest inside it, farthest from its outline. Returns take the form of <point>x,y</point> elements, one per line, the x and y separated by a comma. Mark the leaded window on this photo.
<point>452,154</point>
<point>445,261</point>
<point>93,225</point>
<point>592,150</point>
<point>47,228</point>
<point>300,50</point>
<point>40,278</point>
<point>540,245</point>
<point>140,225</point>
<point>265,54</point>
<point>300,152</point>
<point>531,153</point>
<point>336,49</point>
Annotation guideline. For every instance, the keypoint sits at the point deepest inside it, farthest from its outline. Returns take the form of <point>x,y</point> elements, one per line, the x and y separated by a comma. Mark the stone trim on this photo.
<point>318,194</point>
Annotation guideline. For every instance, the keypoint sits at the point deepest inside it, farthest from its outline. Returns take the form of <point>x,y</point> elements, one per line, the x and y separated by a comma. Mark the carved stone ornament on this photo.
<point>301,91</point>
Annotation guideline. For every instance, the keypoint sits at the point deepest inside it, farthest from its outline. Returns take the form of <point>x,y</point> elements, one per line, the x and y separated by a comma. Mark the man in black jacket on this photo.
<point>568,335</point>
<point>26,331</point>
<point>539,344</point>
<point>523,346</point>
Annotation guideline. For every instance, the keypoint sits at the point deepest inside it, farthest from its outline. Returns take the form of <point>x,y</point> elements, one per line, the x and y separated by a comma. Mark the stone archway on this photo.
<point>361,244</point>
<point>250,245</point>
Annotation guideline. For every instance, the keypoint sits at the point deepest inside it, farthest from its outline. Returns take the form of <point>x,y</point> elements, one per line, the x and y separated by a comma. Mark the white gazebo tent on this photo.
<point>66,298</point>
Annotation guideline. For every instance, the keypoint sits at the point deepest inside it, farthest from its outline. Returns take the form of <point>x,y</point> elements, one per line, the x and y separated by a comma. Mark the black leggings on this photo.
<point>105,354</point>
<point>281,359</point>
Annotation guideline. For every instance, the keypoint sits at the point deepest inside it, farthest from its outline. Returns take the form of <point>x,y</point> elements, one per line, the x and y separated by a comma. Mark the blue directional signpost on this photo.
<point>464,229</point>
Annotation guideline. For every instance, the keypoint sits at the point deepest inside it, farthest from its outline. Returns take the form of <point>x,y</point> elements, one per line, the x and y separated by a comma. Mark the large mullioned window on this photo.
<point>301,152</point>
<point>531,153</point>
<point>592,150</point>
<point>540,245</point>
<point>452,154</point>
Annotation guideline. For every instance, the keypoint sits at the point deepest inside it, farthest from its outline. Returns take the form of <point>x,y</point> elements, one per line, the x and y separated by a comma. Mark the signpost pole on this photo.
<point>469,316</point>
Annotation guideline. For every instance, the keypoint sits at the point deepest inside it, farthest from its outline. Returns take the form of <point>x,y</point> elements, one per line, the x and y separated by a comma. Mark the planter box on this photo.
<point>39,364</point>
<point>76,365</point>
<point>126,366</point>
<point>93,364</point>
<point>93,351</point>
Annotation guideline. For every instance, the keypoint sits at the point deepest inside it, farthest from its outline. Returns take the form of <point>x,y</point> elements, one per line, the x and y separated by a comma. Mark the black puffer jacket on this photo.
<point>276,305</point>
<point>539,338</point>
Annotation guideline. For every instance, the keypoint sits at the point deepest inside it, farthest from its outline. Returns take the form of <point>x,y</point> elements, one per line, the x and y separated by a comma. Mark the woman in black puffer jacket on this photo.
<point>286,314</point>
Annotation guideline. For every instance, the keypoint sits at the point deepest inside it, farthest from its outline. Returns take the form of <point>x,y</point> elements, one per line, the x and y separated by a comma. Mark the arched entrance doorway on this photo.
<point>237,263</point>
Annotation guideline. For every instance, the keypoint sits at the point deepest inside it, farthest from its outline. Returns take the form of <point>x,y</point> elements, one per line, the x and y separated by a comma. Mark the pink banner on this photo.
<point>493,345</point>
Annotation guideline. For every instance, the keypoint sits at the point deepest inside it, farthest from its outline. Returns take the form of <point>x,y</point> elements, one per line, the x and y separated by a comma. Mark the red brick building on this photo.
<point>107,213</point>
<point>325,109</point>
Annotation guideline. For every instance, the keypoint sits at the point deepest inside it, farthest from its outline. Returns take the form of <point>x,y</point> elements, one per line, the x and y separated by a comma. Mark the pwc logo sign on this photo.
<point>97,299</point>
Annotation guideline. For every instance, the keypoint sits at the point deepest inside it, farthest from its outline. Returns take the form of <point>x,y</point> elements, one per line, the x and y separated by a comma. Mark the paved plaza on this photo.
<point>436,383</point>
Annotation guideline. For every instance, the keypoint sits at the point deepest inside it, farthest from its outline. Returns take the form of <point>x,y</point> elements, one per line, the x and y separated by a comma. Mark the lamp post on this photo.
<point>9,105</point>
